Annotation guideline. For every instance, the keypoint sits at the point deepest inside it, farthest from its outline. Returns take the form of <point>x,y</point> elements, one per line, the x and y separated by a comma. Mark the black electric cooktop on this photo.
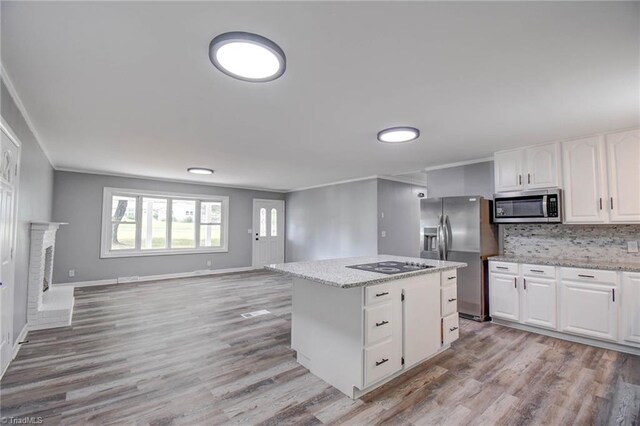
<point>390,268</point>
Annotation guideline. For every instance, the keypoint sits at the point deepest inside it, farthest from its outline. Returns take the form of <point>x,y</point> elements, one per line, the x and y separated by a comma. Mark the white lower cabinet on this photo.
<point>631,308</point>
<point>421,318</point>
<point>539,302</point>
<point>504,299</point>
<point>589,309</point>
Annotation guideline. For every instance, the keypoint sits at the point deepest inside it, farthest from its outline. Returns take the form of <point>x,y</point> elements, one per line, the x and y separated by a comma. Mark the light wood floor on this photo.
<point>178,352</point>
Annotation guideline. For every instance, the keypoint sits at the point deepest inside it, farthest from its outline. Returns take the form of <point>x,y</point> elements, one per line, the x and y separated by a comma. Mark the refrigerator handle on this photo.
<point>447,233</point>
<point>440,238</point>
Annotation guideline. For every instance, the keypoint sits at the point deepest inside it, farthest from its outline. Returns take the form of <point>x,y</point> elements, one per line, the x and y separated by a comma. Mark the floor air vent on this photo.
<point>255,314</point>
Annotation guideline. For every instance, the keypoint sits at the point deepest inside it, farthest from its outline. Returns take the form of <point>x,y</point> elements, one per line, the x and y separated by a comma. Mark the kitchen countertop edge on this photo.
<point>569,263</point>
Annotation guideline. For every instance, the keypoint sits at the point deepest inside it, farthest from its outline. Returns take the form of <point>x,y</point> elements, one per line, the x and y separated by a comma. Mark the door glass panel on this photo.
<point>183,227</point>
<point>210,236</point>
<point>263,222</point>
<point>154,223</point>
<point>274,222</point>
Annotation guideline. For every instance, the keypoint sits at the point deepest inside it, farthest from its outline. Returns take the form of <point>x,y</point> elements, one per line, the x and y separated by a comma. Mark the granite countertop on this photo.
<point>334,272</point>
<point>571,263</point>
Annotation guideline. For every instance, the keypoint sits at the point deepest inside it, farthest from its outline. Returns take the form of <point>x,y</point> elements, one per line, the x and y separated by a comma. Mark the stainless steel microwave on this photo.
<point>528,207</point>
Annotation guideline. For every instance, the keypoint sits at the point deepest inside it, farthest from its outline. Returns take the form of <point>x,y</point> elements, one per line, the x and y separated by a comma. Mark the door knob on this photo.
<point>257,239</point>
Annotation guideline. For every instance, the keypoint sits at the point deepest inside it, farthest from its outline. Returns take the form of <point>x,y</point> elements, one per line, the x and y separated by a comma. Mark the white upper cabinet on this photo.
<point>623,165</point>
<point>584,189</point>
<point>542,166</point>
<point>530,168</point>
<point>508,167</point>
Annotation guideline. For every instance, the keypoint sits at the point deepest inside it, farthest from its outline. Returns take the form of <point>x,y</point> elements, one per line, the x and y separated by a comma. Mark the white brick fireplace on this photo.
<point>48,307</point>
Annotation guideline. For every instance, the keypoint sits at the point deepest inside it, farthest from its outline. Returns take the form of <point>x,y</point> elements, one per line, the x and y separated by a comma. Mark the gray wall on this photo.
<point>401,222</point>
<point>78,201</point>
<point>332,221</point>
<point>34,199</point>
<point>472,179</point>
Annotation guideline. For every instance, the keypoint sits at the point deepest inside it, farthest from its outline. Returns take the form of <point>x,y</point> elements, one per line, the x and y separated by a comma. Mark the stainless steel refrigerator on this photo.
<point>459,229</point>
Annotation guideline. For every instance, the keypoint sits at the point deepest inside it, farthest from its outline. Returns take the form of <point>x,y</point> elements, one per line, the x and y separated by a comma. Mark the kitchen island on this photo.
<point>359,322</point>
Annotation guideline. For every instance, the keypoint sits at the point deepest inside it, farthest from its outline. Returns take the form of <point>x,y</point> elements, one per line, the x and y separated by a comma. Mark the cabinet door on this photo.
<point>542,166</point>
<point>589,310</point>
<point>623,161</point>
<point>508,167</point>
<point>631,308</point>
<point>584,194</point>
<point>539,302</point>
<point>421,322</point>
<point>503,296</point>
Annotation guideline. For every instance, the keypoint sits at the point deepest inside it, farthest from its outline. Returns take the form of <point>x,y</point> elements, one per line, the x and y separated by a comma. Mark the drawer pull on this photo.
<point>524,280</point>
<point>613,294</point>
<point>515,282</point>
<point>501,267</point>
<point>452,278</point>
<point>378,324</point>
<point>382,362</point>
<point>537,270</point>
<point>453,328</point>
<point>382,294</point>
<point>585,276</point>
<point>452,300</point>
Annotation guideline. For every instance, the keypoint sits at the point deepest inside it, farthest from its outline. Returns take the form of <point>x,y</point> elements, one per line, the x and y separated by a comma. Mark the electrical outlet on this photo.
<point>72,273</point>
<point>208,263</point>
<point>249,231</point>
<point>632,246</point>
<point>381,215</point>
<point>383,234</point>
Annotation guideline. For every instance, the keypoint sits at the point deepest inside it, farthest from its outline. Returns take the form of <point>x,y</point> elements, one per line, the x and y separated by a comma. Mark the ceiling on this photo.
<point>128,88</point>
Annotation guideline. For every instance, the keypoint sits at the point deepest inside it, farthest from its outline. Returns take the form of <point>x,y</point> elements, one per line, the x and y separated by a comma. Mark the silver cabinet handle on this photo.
<point>451,278</point>
<point>528,177</point>
<point>453,328</point>
<point>382,294</point>
<point>537,270</point>
<point>613,294</point>
<point>524,281</point>
<point>452,300</point>
<point>519,179</point>
<point>611,203</point>
<point>515,282</point>
<point>382,362</point>
<point>379,324</point>
<point>600,203</point>
<point>501,267</point>
<point>585,276</point>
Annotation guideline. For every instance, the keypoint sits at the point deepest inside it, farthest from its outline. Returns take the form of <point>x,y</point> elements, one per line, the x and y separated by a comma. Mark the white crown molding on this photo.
<point>18,101</point>
<point>403,180</point>
<point>184,181</point>
<point>458,164</point>
<point>340,182</point>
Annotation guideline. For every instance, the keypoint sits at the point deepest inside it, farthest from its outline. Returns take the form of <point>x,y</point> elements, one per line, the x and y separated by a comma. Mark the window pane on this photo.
<point>274,222</point>
<point>123,209</point>
<point>263,222</point>
<point>154,223</point>
<point>210,212</point>
<point>123,236</point>
<point>210,236</point>
<point>183,227</point>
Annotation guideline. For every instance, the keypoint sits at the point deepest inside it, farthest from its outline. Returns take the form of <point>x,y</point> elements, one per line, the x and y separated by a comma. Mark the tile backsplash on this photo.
<point>604,242</point>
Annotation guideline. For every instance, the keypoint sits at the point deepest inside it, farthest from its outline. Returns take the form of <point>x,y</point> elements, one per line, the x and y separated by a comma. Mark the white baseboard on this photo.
<point>122,280</point>
<point>16,347</point>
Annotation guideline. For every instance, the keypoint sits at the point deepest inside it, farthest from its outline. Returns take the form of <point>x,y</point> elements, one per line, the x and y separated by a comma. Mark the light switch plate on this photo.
<point>383,234</point>
<point>632,246</point>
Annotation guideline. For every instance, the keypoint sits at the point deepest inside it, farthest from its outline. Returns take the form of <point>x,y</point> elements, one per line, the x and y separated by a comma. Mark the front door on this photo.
<point>268,232</point>
<point>8,180</point>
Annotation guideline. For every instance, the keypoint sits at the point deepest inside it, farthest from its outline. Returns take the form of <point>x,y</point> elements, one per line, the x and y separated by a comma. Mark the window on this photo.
<point>143,223</point>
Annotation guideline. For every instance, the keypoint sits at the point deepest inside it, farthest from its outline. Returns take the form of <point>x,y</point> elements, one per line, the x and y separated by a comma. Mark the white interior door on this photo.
<point>268,232</point>
<point>8,189</point>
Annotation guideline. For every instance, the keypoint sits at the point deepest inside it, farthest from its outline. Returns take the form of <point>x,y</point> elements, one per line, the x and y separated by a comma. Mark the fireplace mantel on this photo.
<point>48,307</point>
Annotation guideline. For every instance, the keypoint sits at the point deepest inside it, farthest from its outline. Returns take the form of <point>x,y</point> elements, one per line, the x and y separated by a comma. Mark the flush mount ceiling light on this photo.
<point>247,56</point>
<point>200,171</point>
<point>398,134</point>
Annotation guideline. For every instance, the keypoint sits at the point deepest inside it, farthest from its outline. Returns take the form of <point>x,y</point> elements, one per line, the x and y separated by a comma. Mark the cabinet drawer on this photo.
<point>503,267</point>
<point>377,293</point>
<point>380,361</point>
<point>449,302</point>
<point>378,323</point>
<point>450,331</point>
<point>449,277</point>
<point>542,271</point>
<point>590,275</point>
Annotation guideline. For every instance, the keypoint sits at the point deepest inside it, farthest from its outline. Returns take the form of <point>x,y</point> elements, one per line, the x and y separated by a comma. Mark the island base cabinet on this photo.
<point>588,310</point>
<point>631,309</point>
<point>421,318</point>
<point>539,302</point>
